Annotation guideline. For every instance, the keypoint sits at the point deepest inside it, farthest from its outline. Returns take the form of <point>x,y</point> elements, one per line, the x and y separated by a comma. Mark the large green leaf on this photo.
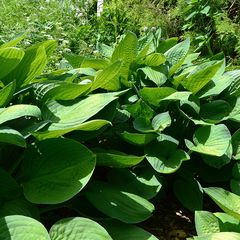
<point>78,228</point>
<point>154,75</point>
<point>9,187</point>
<point>218,162</point>
<point>189,193</point>
<point>218,236</point>
<point>138,139</point>
<point>58,90</point>
<point>11,136</point>
<point>55,170</point>
<point>177,54</point>
<point>153,60</point>
<point>19,206</point>
<point>13,42</point>
<point>215,111</point>
<point>206,222</point>
<point>236,145</point>
<point>164,156</point>
<point>210,140</point>
<point>227,222</point>
<point>227,201</point>
<point>124,206</point>
<point>105,78</point>
<point>85,62</point>
<point>126,51</point>
<point>122,231</point>
<point>32,65</point>
<point>17,227</point>
<point>234,87</point>
<point>17,111</point>
<point>116,159</point>
<point>9,59</point>
<point>53,132</point>
<point>200,76</point>
<point>6,93</point>
<point>67,116</point>
<point>154,96</point>
<point>144,182</point>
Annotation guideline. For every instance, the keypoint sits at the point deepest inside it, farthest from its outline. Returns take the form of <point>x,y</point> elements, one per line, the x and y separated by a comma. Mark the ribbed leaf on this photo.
<point>55,170</point>
<point>18,227</point>
<point>78,228</point>
<point>124,206</point>
<point>9,59</point>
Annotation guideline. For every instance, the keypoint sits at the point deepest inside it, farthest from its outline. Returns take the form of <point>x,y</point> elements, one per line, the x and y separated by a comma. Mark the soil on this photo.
<point>170,221</point>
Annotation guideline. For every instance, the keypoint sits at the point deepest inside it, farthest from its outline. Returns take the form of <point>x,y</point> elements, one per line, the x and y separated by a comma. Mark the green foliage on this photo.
<point>100,139</point>
<point>212,25</point>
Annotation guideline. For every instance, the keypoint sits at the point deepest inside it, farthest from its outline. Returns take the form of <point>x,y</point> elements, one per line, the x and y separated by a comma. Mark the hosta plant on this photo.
<point>86,153</point>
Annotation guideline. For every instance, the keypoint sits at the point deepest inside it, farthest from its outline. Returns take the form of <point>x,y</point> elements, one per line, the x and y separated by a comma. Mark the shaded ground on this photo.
<point>170,221</point>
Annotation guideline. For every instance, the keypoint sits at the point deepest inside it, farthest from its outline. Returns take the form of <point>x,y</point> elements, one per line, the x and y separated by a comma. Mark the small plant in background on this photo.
<point>212,26</point>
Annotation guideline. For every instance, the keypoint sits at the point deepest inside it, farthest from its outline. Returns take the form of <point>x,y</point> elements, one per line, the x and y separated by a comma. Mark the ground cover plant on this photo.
<point>87,153</point>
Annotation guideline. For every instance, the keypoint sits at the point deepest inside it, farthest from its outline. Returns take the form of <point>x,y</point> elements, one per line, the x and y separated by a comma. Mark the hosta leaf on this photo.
<point>32,65</point>
<point>124,206</point>
<point>138,139</point>
<point>55,170</point>
<point>178,96</point>
<point>17,111</point>
<point>236,145</point>
<point>104,78</point>
<point>67,116</point>
<point>216,86</point>
<point>116,159</point>
<point>77,61</point>
<point>199,77</point>
<point>144,45</point>
<point>219,236</point>
<point>92,125</point>
<point>234,88</point>
<point>155,76</point>
<point>19,206</point>
<point>122,231</point>
<point>235,186</point>
<point>164,156</point>
<point>9,59</point>
<point>161,121</point>
<point>227,222</point>
<point>154,96</point>
<point>153,59</point>
<point>206,222</point>
<point>9,187</point>
<point>235,113</point>
<point>126,51</point>
<point>219,162</point>
<point>140,110</point>
<point>165,45</point>
<point>144,182</point>
<point>69,113</point>
<point>11,136</point>
<point>60,90</point>
<point>13,42</point>
<point>105,50</point>
<point>177,54</point>
<point>6,93</point>
<point>78,228</point>
<point>189,193</point>
<point>18,227</point>
<point>227,201</point>
<point>215,111</point>
<point>210,140</point>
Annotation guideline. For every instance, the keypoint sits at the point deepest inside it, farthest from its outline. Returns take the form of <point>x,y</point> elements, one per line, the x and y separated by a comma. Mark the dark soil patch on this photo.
<point>171,221</point>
